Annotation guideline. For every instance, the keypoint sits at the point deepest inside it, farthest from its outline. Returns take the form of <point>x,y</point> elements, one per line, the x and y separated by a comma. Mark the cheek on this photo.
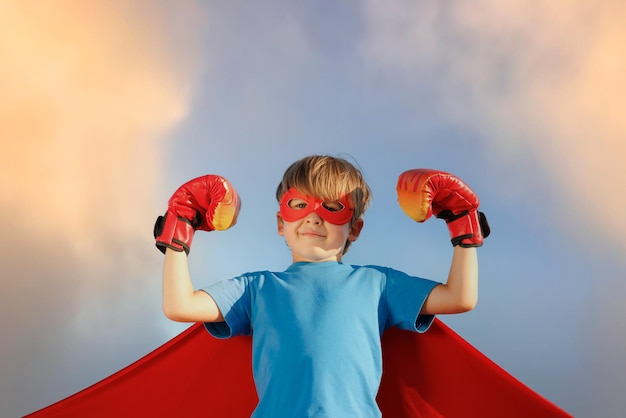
<point>339,232</point>
<point>286,228</point>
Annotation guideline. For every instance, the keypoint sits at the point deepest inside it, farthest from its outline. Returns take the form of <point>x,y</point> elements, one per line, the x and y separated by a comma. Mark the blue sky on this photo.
<point>110,107</point>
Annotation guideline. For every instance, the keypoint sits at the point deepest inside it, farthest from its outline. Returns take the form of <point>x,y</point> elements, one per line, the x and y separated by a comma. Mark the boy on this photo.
<point>317,325</point>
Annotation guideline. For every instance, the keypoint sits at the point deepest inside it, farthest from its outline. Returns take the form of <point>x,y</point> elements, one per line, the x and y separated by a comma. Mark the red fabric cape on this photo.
<point>435,374</point>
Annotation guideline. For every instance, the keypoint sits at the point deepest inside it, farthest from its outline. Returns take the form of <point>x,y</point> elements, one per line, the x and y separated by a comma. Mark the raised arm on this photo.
<point>424,192</point>
<point>460,292</point>
<point>180,301</point>
<point>206,203</point>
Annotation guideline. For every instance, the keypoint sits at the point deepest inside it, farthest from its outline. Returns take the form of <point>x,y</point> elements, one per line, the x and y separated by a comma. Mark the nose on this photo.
<point>313,218</point>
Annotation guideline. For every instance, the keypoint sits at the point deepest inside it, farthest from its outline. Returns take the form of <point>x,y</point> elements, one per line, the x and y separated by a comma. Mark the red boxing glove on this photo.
<point>423,192</point>
<point>205,203</point>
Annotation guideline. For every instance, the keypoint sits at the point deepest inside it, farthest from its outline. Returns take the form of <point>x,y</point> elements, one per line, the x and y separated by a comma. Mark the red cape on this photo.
<point>435,374</point>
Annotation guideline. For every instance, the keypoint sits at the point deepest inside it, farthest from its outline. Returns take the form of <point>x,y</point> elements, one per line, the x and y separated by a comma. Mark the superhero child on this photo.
<point>316,326</point>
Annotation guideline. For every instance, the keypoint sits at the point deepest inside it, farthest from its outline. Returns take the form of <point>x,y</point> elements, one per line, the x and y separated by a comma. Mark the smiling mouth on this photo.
<point>312,234</point>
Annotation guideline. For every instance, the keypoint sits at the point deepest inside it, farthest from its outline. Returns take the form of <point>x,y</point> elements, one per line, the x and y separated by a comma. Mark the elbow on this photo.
<point>167,311</point>
<point>171,313</point>
<point>462,303</point>
<point>467,304</point>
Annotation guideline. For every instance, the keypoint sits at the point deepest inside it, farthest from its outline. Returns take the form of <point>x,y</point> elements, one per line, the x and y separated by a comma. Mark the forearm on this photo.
<point>177,285</point>
<point>462,280</point>
<point>460,292</point>
<point>180,301</point>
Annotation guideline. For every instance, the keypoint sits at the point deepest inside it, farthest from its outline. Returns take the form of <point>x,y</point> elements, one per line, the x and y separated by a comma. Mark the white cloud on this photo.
<point>544,78</point>
<point>542,83</point>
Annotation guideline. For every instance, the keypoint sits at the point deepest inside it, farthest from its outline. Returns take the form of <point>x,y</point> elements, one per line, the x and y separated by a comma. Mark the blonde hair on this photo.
<point>328,178</point>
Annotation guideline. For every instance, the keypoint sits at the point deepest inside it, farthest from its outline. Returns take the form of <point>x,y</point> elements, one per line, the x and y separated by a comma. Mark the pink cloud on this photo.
<point>89,91</point>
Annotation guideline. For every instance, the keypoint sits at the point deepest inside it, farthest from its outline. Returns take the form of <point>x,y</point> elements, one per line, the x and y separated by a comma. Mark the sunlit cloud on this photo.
<point>542,78</point>
<point>542,83</point>
<point>90,92</point>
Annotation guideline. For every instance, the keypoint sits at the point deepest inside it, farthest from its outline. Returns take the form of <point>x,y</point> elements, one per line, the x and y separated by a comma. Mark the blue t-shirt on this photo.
<point>316,333</point>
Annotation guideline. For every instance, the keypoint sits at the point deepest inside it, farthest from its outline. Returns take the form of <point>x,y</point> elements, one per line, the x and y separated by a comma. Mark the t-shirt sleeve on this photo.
<point>233,299</point>
<point>405,296</point>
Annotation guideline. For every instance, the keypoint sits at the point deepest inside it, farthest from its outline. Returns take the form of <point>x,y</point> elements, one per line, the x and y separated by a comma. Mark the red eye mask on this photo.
<point>313,204</point>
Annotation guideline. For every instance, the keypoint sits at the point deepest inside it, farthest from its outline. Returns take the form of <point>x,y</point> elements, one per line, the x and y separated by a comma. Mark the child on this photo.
<point>317,325</point>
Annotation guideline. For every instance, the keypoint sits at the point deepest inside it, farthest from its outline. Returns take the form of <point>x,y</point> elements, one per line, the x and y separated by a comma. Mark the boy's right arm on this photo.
<point>180,301</point>
<point>206,203</point>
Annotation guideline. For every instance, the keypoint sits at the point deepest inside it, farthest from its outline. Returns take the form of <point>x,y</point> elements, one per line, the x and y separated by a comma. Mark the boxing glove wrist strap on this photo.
<point>172,231</point>
<point>467,229</point>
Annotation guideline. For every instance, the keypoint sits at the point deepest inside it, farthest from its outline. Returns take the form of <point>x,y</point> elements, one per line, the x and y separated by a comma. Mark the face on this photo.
<point>316,230</point>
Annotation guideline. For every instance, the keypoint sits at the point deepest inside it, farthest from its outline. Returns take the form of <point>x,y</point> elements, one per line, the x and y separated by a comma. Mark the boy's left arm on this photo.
<point>426,192</point>
<point>460,293</point>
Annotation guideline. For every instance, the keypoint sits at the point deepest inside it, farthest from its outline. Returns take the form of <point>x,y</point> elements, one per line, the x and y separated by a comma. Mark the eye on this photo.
<point>297,203</point>
<point>333,206</point>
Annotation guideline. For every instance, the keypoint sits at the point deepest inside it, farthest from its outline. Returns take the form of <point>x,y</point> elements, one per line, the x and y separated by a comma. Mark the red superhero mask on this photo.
<point>334,212</point>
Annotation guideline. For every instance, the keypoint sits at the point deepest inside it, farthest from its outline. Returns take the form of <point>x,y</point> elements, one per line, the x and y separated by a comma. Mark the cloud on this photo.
<point>542,84</point>
<point>86,94</point>
<point>543,79</point>
<point>89,93</point>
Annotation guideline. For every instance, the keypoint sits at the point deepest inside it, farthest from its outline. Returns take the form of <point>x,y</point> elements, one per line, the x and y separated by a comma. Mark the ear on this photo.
<point>280,224</point>
<point>355,230</point>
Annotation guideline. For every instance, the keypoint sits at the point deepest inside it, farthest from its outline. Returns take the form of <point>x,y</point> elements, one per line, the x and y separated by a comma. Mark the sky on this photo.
<point>107,107</point>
